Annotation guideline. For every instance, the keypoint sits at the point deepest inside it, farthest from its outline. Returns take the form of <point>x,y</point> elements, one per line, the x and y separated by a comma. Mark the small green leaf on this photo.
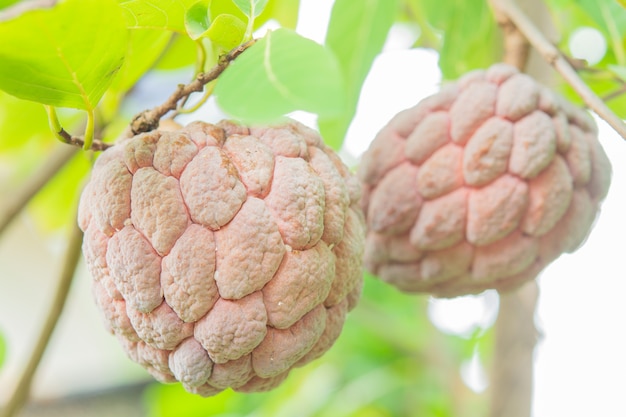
<point>157,14</point>
<point>227,31</point>
<point>197,20</point>
<point>281,73</point>
<point>65,56</point>
<point>251,8</point>
<point>356,34</point>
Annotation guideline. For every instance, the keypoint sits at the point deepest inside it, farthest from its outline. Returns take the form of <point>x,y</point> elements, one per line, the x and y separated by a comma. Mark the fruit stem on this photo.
<point>512,370</point>
<point>21,390</point>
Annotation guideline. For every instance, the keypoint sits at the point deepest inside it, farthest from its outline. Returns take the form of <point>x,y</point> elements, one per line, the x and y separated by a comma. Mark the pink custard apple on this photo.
<point>480,186</point>
<point>223,256</point>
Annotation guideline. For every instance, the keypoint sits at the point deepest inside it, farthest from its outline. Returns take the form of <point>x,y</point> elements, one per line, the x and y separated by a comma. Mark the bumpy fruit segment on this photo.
<point>221,255</point>
<point>480,186</point>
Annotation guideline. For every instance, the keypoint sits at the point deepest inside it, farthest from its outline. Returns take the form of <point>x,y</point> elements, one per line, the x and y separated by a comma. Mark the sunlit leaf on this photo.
<point>144,48</point>
<point>284,12</point>
<point>181,52</point>
<point>157,14</point>
<point>53,57</point>
<point>281,73</point>
<point>227,31</point>
<point>356,34</point>
<point>622,2</point>
<point>471,37</point>
<point>251,8</point>
<point>197,20</point>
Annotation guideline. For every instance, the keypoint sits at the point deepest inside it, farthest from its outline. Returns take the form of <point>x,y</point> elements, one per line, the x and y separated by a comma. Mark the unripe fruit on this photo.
<point>480,186</point>
<point>223,256</point>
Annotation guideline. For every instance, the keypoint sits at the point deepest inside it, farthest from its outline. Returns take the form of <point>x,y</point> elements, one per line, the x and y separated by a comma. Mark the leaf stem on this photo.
<point>149,119</point>
<point>21,389</point>
<point>81,142</point>
<point>554,57</point>
<point>89,130</point>
<point>15,202</point>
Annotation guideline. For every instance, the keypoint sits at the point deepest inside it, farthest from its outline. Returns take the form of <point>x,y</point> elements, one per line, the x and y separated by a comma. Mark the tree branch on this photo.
<point>79,141</point>
<point>21,390</point>
<point>18,199</point>
<point>554,57</point>
<point>149,119</point>
<point>512,370</point>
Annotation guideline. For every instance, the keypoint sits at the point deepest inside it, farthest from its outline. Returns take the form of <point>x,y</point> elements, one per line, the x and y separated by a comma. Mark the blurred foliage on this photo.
<point>3,349</point>
<point>389,361</point>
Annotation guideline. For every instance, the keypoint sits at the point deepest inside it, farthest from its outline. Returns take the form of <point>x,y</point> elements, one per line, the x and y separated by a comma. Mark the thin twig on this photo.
<point>149,119</point>
<point>15,201</point>
<point>25,6</point>
<point>21,390</point>
<point>554,57</point>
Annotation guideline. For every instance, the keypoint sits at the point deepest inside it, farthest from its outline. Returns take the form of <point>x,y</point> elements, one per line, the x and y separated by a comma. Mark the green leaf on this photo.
<point>251,8</point>
<point>227,31</point>
<point>181,52</point>
<point>144,49</point>
<point>281,73</point>
<point>157,14</point>
<point>284,12</point>
<point>471,37</point>
<point>66,56</point>
<point>197,20</point>
<point>356,34</point>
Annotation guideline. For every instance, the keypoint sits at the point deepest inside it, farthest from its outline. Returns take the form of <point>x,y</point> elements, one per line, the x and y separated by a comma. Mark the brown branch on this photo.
<point>25,6</point>
<point>15,201</point>
<point>554,57</point>
<point>512,370</point>
<point>21,390</point>
<point>149,119</point>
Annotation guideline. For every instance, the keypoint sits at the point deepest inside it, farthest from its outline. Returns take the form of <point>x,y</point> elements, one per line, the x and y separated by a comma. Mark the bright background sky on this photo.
<point>580,367</point>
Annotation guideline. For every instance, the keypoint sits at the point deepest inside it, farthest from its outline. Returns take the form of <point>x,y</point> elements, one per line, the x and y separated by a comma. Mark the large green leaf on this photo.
<point>181,52</point>
<point>144,49</point>
<point>284,12</point>
<point>66,56</point>
<point>157,14</point>
<point>356,34</point>
<point>281,73</point>
<point>251,8</point>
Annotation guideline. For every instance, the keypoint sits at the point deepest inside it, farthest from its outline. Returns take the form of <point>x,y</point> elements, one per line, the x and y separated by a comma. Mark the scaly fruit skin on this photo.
<point>222,255</point>
<point>480,186</point>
